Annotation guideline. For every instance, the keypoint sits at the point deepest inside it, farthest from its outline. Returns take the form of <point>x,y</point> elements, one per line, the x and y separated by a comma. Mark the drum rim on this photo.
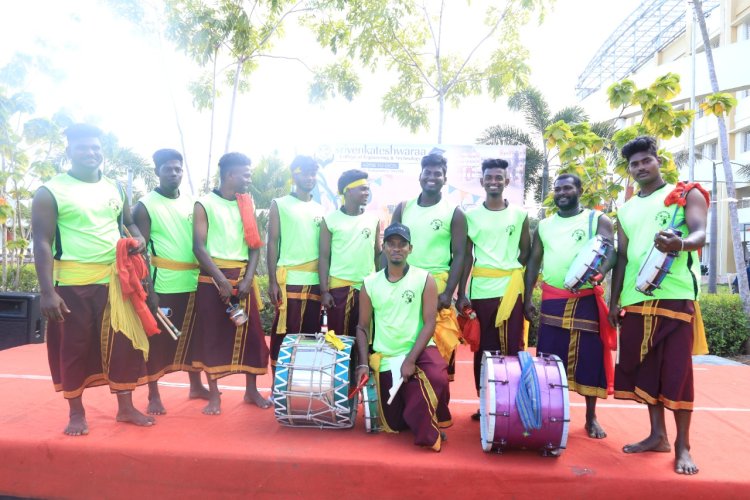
<point>487,421</point>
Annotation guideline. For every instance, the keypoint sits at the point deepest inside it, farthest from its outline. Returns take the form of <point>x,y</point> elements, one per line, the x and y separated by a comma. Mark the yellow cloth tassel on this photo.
<point>334,340</point>
<point>447,332</point>
<point>123,317</point>
<point>281,273</point>
<point>700,345</point>
<point>172,265</point>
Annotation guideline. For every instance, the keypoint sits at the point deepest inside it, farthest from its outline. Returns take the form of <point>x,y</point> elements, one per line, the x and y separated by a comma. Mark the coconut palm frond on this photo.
<point>534,107</point>
<point>505,134</point>
<point>571,114</point>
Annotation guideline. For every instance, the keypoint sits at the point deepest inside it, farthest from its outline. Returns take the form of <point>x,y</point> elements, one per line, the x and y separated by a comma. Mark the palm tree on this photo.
<point>538,116</point>
<point>734,220</point>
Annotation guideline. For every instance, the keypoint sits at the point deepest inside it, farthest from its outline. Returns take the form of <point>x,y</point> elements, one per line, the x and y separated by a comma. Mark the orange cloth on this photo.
<point>131,269</point>
<point>469,324</point>
<point>247,214</point>
<point>679,194</point>
<point>607,334</point>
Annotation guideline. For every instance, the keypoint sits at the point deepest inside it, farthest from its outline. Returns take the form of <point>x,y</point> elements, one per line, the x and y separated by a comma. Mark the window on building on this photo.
<point>741,94</point>
<point>745,141</point>
<point>699,111</point>
<point>743,31</point>
<point>708,150</point>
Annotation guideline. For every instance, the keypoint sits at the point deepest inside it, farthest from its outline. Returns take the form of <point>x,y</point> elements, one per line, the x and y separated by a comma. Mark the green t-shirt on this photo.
<point>87,219</point>
<point>171,238</point>
<point>496,235</point>
<point>430,229</point>
<point>640,219</point>
<point>352,245</point>
<point>298,238</point>
<point>226,235</point>
<point>397,312</point>
<point>562,239</point>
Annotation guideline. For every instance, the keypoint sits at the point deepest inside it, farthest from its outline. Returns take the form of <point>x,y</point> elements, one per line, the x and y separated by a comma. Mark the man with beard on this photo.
<point>165,219</point>
<point>293,250</point>
<point>438,229</point>
<point>401,301</point>
<point>76,217</point>
<point>349,247</point>
<point>499,239</point>
<point>573,326</point>
<point>227,245</point>
<point>659,333</point>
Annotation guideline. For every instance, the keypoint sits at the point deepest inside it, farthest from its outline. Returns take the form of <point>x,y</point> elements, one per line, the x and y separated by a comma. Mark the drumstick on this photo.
<point>169,323</point>
<point>160,317</point>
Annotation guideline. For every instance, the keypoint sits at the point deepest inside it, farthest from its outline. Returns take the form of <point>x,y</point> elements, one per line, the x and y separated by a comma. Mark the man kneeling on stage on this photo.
<point>412,377</point>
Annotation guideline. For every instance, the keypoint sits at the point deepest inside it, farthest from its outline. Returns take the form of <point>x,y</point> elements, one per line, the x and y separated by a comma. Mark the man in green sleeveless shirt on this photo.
<point>658,333</point>
<point>498,239</point>
<point>293,249</point>
<point>349,247</point>
<point>411,376</point>
<point>165,219</point>
<point>438,228</point>
<point>228,260</point>
<point>571,324</point>
<point>76,217</point>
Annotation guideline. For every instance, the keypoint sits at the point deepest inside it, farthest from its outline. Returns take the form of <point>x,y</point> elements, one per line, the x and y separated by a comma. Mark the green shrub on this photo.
<point>534,323</point>
<point>268,312</point>
<point>726,324</point>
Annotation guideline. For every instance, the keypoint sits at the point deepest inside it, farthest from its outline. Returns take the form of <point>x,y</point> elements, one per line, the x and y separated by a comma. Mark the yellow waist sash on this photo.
<point>123,317</point>
<point>281,273</point>
<point>509,298</point>
<point>172,265</point>
<point>234,264</point>
<point>334,282</point>
<point>700,345</point>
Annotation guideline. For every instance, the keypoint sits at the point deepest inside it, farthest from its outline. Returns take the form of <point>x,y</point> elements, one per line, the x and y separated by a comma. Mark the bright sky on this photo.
<point>115,77</point>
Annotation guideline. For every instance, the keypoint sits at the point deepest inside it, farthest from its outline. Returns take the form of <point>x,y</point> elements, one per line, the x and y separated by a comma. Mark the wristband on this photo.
<point>363,366</point>
<point>682,244</point>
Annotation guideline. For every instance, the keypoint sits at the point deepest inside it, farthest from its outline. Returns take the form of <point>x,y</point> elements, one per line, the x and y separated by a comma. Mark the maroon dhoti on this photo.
<point>343,317</point>
<point>507,338</point>
<point>83,351</point>
<point>302,315</point>
<point>221,347</point>
<point>655,363</point>
<point>421,404</point>
<point>166,355</point>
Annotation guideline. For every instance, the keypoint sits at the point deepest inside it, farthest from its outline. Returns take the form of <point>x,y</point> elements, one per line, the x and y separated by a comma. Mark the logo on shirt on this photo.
<point>436,224</point>
<point>114,205</point>
<point>578,235</point>
<point>510,229</point>
<point>190,217</point>
<point>366,233</point>
<point>317,219</point>
<point>408,297</point>
<point>662,218</point>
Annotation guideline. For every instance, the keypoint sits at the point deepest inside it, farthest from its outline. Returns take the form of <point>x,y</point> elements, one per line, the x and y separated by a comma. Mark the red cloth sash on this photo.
<point>469,324</point>
<point>131,269</point>
<point>247,214</point>
<point>607,334</point>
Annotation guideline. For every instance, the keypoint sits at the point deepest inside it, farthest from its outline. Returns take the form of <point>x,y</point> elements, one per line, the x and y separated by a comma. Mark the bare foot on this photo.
<point>199,392</point>
<point>256,399</point>
<point>683,462</point>
<point>77,425</point>
<point>595,430</point>
<point>133,416</point>
<point>213,407</point>
<point>651,443</point>
<point>155,406</point>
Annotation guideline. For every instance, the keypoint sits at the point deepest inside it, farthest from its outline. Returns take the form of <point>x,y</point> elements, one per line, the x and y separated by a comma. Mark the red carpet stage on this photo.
<point>245,453</point>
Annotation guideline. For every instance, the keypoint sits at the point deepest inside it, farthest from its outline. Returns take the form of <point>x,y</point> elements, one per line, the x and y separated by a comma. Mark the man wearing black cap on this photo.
<point>411,376</point>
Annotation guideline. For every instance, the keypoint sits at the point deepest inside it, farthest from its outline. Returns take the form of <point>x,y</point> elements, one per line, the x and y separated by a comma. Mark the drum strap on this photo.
<point>528,397</point>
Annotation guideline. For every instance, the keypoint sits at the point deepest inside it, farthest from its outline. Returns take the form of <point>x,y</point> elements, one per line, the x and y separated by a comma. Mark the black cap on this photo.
<point>397,229</point>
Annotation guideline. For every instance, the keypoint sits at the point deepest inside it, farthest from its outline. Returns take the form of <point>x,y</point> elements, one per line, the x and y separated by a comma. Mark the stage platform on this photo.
<point>244,453</point>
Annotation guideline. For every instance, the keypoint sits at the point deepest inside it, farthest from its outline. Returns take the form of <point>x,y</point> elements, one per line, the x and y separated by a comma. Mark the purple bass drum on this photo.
<point>500,422</point>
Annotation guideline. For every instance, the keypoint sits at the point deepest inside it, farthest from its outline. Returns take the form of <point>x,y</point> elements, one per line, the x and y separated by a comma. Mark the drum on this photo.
<point>370,405</point>
<point>587,263</point>
<point>312,383</point>
<point>655,268</point>
<point>500,422</point>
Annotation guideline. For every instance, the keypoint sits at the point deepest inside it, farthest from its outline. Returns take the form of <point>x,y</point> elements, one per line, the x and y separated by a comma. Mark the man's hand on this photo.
<point>529,310</point>
<point>152,300</point>
<point>225,289</point>
<point>614,316</point>
<point>362,371</point>
<point>444,301</point>
<point>463,303</point>
<point>408,367</point>
<point>666,241</point>
<point>244,287</point>
<point>274,293</point>
<point>141,248</point>
<point>53,306</point>
<point>326,299</point>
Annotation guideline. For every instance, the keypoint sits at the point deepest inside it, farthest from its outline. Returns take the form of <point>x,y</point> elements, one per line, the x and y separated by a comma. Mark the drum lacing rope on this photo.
<point>528,397</point>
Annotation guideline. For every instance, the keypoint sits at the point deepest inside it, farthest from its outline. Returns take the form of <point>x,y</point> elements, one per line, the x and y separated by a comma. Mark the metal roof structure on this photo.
<point>653,25</point>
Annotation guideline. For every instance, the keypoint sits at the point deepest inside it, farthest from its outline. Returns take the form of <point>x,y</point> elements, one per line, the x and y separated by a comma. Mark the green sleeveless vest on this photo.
<point>226,235</point>
<point>430,229</point>
<point>299,237</point>
<point>562,239</point>
<point>352,245</point>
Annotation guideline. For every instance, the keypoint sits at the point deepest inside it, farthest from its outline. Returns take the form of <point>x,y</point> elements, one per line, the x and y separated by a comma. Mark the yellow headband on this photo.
<point>357,183</point>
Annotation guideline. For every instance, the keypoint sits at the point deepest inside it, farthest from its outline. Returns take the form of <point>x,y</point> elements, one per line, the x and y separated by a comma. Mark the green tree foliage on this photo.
<point>587,154</point>
<point>413,40</point>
